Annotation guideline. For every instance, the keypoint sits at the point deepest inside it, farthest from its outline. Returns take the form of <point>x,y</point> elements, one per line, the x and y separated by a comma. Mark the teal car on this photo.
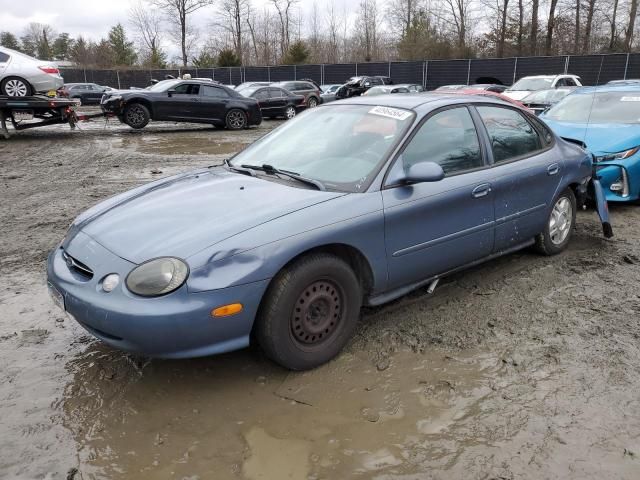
<point>606,122</point>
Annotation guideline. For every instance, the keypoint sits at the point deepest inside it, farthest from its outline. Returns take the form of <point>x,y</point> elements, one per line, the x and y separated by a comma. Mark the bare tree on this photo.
<point>285,14</point>
<point>633,12</point>
<point>231,14</point>
<point>367,26</point>
<point>148,26</point>
<point>614,34</point>
<point>551,23</point>
<point>576,40</point>
<point>177,12</point>
<point>503,10</point>
<point>533,37</point>
<point>520,26</point>
<point>459,11</point>
<point>591,5</point>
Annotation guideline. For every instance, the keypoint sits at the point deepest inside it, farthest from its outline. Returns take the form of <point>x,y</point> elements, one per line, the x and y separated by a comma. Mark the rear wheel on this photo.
<point>557,232</point>
<point>290,112</point>
<point>236,119</point>
<point>310,311</point>
<point>15,87</point>
<point>313,102</point>
<point>136,115</point>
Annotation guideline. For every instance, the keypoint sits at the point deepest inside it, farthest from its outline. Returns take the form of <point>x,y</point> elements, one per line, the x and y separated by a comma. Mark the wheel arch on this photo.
<point>142,101</point>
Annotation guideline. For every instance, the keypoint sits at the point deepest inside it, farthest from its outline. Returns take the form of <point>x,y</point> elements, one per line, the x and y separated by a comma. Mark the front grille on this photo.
<point>77,266</point>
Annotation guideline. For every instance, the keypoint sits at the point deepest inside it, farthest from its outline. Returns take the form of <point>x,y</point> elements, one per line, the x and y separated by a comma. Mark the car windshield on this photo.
<point>350,142</point>
<point>544,96</point>
<point>532,84</point>
<point>598,107</point>
<point>163,85</point>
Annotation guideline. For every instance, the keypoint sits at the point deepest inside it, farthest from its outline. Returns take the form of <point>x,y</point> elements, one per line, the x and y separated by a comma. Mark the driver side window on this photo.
<point>187,89</point>
<point>448,138</point>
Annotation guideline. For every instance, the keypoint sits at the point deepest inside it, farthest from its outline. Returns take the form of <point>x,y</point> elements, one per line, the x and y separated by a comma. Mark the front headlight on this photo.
<point>157,277</point>
<point>618,156</point>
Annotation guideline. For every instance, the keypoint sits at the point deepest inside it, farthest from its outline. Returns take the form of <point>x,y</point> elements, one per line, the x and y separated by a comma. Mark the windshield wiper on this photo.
<point>239,170</point>
<point>270,169</point>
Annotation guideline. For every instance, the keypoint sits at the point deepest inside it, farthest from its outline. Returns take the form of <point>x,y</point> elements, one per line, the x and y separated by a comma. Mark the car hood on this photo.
<point>183,215</point>
<point>517,94</point>
<point>599,138</point>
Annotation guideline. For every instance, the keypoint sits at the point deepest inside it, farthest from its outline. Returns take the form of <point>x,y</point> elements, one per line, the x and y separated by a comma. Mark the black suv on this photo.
<point>184,101</point>
<point>356,86</point>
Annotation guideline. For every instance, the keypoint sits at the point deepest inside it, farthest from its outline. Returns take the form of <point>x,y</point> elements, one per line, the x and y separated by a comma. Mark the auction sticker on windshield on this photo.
<point>389,112</point>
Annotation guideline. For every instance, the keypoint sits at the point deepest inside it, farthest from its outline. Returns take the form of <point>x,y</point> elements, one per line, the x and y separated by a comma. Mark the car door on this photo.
<point>279,100</point>
<point>213,103</point>
<point>94,93</point>
<point>527,173</point>
<point>432,228</point>
<point>264,102</point>
<point>180,104</point>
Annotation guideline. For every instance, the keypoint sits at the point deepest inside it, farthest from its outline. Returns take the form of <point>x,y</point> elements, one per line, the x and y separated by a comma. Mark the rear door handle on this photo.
<point>481,190</point>
<point>553,169</point>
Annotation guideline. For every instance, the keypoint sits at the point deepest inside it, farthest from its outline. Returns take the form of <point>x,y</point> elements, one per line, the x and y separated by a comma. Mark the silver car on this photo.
<point>22,75</point>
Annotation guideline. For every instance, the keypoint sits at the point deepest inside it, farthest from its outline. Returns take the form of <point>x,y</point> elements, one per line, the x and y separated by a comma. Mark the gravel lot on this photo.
<point>525,367</point>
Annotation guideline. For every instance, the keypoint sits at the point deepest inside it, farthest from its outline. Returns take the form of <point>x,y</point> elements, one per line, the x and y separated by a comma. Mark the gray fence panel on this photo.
<point>282,73</point>
<point>372,69</point>
<point>587,67</point>
<point>103,77</point>
<point>492,70</point>
<point>236,76</point>
<point>407,72</point>
<point>612,67</point>
<point>339,73</point>
<point>256,74</point>
<point>314,72</point>
<point>539,66</point>
<point>633,68</point>
<point>222,75</point>
<point>446,72</point>
<point>161,74</point>
<point>205,73</point>
<point>134,78</point>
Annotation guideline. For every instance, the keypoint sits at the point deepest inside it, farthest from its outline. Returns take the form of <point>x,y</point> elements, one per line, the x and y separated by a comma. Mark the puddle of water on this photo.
<point>198,143</point>
<point>274,458</point>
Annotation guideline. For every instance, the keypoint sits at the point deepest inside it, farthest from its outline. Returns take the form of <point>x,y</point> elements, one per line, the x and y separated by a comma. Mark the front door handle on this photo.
<point>481,190</point>
<point>553,169</point>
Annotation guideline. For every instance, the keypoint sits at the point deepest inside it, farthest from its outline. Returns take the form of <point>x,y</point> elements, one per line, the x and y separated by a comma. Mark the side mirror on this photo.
<point>424,172</point>
<point>171,93</point>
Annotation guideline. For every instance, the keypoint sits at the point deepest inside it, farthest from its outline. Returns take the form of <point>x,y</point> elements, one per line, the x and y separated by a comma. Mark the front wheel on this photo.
<point>136,115</point>
<point>236,119</point>
<point>557,231</point>
<point>15,87</point>
<point>310,311</point>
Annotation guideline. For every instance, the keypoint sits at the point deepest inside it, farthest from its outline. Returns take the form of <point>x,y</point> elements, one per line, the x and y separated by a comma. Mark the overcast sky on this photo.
<point>93,18</point>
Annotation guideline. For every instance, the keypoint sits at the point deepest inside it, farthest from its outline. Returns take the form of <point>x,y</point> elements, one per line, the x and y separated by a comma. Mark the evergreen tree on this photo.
<point>62,47</point>
<point>228,58</point>
<point>123,53</point>
<point>9,40</point>
<point>298,53</point>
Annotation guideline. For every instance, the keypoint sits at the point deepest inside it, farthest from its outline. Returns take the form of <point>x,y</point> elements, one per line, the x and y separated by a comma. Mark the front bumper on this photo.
<point>620,179</point>
<point>178,325</point>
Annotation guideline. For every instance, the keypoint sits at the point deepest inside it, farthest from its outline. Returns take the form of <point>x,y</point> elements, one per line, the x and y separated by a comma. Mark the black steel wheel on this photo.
<point>309,312</point>
<point>236,119</point>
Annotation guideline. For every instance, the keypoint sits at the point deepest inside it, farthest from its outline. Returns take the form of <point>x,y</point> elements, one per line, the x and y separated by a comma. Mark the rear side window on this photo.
<point>511,135</point>
<point>448,138</point>
<point>214,92</point>
<point>4,57</point>
<point>277,93</point>
<point>261,94</point>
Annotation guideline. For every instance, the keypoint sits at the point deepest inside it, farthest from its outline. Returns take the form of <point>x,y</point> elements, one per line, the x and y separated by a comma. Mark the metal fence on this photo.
<point>593,69</point>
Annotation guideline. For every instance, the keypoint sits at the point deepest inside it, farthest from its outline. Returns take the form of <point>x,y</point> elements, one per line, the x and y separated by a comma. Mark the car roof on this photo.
<point>620,87</point>
<point>412,101</point>
<point>552,76</point>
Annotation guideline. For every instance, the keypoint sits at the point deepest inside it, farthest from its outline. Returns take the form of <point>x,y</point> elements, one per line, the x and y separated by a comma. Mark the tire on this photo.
<point>77,98</point>
<point>15,87</point>
<point>236,119</point>
<point>290,112</point>
<point>557,232</point>
<point>309,312</point>
<point>312,102</point>
<point>136,115</point>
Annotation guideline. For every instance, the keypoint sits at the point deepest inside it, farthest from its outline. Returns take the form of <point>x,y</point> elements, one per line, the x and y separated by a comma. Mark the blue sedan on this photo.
<point>606,120</point>
<point>286,241</point>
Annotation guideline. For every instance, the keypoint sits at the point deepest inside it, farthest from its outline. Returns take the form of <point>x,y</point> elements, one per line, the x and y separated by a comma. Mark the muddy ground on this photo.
<point>525,367</point>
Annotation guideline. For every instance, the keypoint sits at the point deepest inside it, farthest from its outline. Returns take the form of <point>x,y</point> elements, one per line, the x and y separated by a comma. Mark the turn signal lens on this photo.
<point>227,310</point>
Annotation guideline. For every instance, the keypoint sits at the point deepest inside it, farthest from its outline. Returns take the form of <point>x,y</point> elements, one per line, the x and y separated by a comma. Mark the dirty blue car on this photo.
<point>286,241</point>
<point>606,120</point>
